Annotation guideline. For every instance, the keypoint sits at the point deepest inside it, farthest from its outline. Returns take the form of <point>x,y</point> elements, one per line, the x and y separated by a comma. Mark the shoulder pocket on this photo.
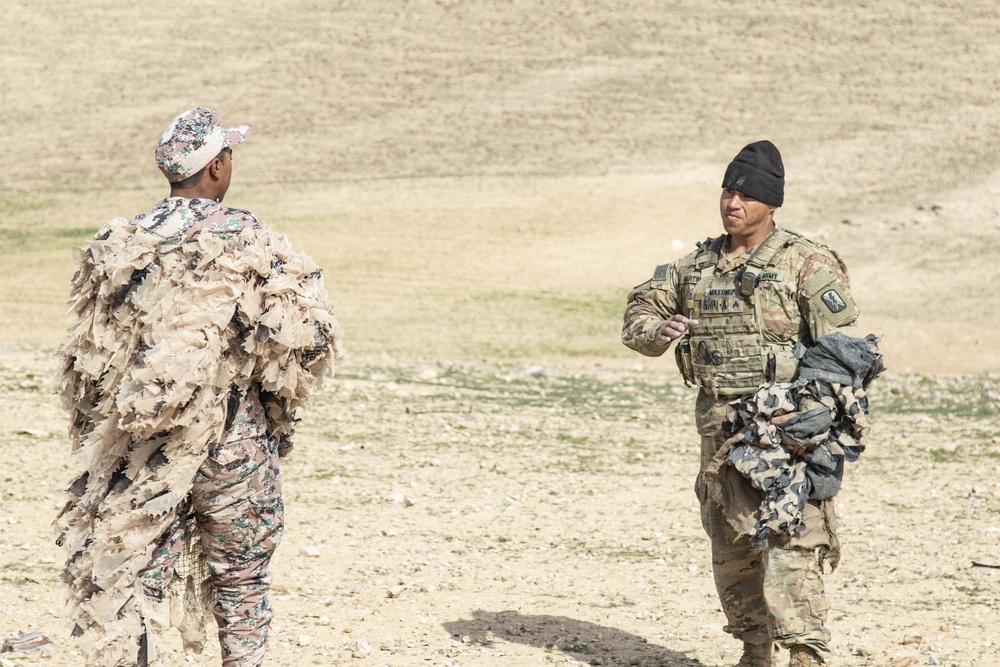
<point>642,287</point>
<point>829,299</point>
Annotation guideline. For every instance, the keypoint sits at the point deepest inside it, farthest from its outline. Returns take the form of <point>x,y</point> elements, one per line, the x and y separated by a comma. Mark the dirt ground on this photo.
<point>492,478</point>
<point>474,513</point>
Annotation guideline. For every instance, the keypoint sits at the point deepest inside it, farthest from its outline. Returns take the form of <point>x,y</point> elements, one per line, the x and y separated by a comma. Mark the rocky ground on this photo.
<point>473,513</point>
<point>482,184</point>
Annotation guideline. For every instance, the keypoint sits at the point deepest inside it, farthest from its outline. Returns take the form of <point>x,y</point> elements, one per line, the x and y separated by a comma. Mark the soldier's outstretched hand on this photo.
<point>672,328</point>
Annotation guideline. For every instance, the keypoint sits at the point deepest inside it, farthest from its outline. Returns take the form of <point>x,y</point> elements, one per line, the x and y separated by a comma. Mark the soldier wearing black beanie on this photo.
<point>736,308</point>
<point>757,172</point>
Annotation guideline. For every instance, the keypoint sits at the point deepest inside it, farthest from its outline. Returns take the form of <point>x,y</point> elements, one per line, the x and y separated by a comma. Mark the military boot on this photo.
<point>803,656</point>
<point>755,655</point>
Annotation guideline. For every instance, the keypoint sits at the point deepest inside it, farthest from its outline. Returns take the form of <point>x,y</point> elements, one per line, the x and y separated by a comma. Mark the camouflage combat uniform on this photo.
<point>236,504</point>
<point>236,497</point>
<point>196,332</point>
<point>751,310</point>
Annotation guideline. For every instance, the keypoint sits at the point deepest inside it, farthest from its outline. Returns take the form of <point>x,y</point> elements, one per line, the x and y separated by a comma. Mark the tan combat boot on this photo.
<point>755,655</point>
<point>803,656</point>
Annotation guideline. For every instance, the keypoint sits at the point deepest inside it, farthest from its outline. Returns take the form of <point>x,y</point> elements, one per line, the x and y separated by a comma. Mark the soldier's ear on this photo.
<point>215,167</point>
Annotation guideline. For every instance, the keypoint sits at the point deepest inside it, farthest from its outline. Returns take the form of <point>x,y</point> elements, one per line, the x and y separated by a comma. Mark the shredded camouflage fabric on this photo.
<point>831,424</point>
<point>170,333</point>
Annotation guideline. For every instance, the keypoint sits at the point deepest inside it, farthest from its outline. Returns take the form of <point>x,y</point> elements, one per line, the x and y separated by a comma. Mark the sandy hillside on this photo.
<point>490,160</point>
<point>482,183</point>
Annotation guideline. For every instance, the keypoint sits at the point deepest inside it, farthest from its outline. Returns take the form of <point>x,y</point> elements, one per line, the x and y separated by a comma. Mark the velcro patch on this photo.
<point>661,272</point>
<point>770,275</point>
<point>830,300</point>
<point>722,301</point>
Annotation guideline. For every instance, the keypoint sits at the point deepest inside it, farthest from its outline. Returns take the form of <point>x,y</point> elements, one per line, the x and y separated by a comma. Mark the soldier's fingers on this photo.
<point>781,419</point>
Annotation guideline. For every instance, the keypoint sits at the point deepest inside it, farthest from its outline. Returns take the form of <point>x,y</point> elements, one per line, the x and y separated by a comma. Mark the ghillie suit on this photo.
<point>165,332</point>
<point>831,423</point>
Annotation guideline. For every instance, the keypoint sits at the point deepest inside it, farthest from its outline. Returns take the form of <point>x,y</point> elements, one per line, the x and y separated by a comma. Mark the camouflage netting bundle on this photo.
<point>830,425</point>
<point>161,333</point>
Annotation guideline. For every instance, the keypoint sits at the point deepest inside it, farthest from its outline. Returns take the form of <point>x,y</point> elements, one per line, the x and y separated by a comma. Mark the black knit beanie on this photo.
<point>757,172</point>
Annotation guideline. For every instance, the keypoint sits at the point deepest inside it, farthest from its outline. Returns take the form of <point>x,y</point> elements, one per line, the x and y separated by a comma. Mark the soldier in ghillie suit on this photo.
<point>196,333</point>
<point>738,305</point>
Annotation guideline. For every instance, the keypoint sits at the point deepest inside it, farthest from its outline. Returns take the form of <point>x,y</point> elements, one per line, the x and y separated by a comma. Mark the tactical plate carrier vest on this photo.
<point>727,353</point>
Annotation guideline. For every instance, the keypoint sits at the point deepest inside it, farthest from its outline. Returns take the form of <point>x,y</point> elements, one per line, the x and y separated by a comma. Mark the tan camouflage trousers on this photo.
<point>236,500</point>
<point>776,595</point>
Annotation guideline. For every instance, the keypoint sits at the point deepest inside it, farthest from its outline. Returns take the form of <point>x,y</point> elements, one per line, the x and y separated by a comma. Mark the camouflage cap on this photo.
<point>193,139</point>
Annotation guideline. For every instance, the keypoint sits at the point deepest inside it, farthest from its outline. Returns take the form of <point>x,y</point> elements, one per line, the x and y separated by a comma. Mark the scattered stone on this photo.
<point>427,375</point>
<point>933,660</point>
<point>361,649</point>
<point>912,639</point>
<point>303,640</point>
<point>32,643</point>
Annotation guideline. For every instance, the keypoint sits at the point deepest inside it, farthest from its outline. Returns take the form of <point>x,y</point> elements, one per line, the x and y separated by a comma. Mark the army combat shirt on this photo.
<point>803,293</point>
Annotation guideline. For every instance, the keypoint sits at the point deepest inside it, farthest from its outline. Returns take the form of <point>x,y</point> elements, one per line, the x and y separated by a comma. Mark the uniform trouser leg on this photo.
<point>241,516</point>
<point>775,595</point>
<point>157,576</point>
<point>795,599</point>
<point>240,513</point>
<point>739,579</point>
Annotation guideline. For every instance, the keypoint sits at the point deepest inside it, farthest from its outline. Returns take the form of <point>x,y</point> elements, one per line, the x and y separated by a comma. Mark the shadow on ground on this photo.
<point>589,643</point>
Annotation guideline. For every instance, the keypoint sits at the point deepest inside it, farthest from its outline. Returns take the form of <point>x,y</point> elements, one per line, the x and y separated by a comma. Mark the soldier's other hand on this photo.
<point>671,329</point>
<point>781,419</point>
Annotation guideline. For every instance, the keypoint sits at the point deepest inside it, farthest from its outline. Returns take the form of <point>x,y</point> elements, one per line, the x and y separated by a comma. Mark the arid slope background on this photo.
<point>492,478</point>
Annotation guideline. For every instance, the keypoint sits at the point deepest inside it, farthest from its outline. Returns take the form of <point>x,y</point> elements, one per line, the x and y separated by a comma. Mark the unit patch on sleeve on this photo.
<point>828,299</point>
<point>833,301</point>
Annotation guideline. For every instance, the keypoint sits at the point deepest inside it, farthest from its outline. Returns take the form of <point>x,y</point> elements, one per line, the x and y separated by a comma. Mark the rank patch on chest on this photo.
<point>833,301</point>
<point>720,303</point>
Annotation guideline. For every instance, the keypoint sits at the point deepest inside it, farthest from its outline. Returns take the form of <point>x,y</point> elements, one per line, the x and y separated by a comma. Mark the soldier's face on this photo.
<point>744,216</point>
